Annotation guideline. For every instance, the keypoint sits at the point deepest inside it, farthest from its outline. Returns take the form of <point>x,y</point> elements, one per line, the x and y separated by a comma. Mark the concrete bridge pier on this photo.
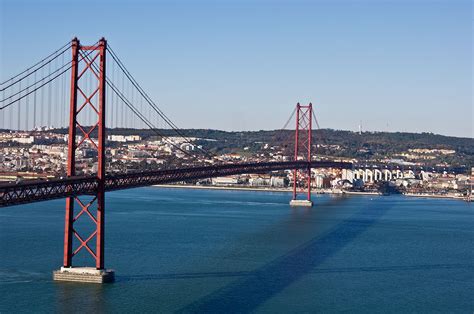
<point>301,203</point>
<point>84,274</point>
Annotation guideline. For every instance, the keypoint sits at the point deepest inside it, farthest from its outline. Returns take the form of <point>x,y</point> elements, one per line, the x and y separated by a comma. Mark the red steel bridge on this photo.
<point>30,96</point>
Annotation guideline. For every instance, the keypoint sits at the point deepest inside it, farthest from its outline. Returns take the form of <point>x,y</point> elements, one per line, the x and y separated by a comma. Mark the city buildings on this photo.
<point>42,154</point>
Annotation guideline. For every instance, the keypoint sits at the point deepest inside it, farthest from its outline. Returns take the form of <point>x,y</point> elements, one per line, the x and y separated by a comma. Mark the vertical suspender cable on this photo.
<point>2,115</point>
<point>114,103</point>
<point>133,103</point>
<point>142,117</point>
<point>49,99</point>
<point>141,109</point>
<point>57,110</point>
<point>27,113</point>
<point>19,110</point>
<point>34,107</point>
<point>11,118</point>
<point>62,103</point>
<point>42,106</point>
<point>122,109</point>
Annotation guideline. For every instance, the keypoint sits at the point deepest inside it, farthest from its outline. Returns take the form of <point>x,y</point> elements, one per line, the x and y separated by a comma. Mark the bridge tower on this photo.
<point>87,65</point>
<point>304,118</point>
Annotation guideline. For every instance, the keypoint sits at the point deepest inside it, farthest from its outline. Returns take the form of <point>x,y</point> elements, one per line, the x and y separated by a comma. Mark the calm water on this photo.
<point>228,251</point>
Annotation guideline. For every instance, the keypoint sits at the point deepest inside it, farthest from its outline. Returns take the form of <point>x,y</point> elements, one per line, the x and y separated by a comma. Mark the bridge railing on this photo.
<point>40,190</point>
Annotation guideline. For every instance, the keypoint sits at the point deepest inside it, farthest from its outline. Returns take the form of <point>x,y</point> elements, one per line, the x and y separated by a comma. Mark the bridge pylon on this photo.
<point>303,132</point>
<point>88,64</point>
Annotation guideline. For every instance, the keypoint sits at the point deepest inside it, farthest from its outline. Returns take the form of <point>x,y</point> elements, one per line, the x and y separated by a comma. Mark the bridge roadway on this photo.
<point>415,168</point>
<point>42,190</point>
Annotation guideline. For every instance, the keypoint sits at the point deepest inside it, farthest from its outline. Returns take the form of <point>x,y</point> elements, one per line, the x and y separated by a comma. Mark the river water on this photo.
<point>181,250</point>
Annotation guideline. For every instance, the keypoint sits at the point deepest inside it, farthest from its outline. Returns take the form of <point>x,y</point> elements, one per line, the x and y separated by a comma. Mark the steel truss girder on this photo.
<point>36,191</point>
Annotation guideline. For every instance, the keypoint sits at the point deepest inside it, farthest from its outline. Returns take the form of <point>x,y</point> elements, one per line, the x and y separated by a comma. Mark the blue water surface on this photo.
<point>182,250</point>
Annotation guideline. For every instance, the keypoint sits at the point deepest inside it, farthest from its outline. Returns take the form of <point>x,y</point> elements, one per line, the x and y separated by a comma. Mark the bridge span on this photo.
<point>42,190</point>
<point>86,148</point>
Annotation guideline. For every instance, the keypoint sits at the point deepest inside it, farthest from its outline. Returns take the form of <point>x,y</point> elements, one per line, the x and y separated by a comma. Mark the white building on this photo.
<point>187,147</point>
<point>23,139</point>
<point>124,138</point>
<point>225,180</point>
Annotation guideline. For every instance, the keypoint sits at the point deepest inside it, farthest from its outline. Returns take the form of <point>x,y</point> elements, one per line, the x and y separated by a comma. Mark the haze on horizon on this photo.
<point>391,65</point>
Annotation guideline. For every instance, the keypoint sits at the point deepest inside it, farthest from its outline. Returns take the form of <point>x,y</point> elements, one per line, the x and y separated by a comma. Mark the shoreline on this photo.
<point>454,197</point>
<point>289,190</point>
<point>228,188</point>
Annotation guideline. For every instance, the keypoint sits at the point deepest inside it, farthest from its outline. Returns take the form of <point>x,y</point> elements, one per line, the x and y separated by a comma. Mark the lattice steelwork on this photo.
<point>87,85</point>
<point>35,191</point>
<point>304,116</point>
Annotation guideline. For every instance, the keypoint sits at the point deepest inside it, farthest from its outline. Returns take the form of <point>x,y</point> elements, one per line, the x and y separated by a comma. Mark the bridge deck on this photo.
<point>40,190</point>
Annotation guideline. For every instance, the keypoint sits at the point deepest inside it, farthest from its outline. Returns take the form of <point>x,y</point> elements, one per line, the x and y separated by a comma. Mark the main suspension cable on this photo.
<point>33,66</point>
<point>142,117</point>
<point>36,82</point>
<point>37,88</point>
<point>139,114</point>
<point>150,101</point>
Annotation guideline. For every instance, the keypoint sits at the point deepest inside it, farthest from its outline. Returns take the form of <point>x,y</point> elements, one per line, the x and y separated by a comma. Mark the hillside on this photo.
<point>338,143</point>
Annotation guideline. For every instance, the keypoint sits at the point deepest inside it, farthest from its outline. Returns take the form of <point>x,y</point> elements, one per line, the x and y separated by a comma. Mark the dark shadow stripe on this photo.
<point>245,295</point>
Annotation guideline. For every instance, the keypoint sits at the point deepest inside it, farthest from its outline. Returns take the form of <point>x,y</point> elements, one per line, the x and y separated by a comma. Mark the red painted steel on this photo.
<point>303,143</point>
<point>310,131</point>
<point>101,160</point>
<point>96,188</point>
<point>71,160</point>
<point>295,172</point>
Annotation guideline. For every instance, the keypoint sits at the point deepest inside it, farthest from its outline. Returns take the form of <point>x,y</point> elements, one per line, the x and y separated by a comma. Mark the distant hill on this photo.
<point>365,146</point>
<point>337,143</point>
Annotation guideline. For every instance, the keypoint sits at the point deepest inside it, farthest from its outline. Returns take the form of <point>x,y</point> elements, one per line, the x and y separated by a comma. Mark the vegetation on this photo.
<point>329,142</point>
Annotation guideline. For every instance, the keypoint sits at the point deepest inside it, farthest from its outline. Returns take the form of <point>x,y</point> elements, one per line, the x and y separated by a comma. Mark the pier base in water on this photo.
<point>301,203</point>
<point>84,274</point>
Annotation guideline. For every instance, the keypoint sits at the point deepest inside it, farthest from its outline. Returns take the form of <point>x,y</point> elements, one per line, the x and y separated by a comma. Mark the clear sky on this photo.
<point>243,65</point>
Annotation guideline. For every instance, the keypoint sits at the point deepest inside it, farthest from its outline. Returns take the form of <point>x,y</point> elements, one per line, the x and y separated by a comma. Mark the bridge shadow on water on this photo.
<point>252,288</point>
<point>257,286</point>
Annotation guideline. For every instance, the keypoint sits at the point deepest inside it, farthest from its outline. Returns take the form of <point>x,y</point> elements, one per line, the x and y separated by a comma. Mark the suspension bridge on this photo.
<point>104,94</point>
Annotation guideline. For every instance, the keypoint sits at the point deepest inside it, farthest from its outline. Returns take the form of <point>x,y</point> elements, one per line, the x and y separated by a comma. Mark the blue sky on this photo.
<point>243,65</point>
